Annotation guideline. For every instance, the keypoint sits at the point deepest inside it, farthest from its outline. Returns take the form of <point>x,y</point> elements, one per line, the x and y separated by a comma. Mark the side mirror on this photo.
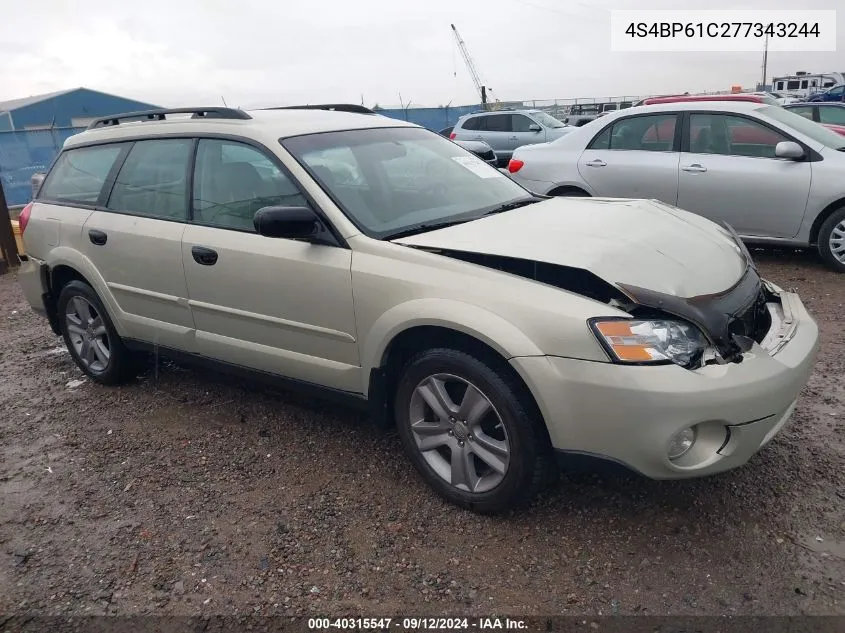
<point>790,150</point>
<point>535,128</point>
<point>288,222</point>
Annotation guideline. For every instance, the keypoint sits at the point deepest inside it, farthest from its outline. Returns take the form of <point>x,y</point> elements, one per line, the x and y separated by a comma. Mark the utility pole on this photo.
<point>765,62</point>
<point>8,245</point>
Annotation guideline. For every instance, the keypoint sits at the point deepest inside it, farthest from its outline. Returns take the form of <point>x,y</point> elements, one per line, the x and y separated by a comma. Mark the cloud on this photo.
<point>263,52</point>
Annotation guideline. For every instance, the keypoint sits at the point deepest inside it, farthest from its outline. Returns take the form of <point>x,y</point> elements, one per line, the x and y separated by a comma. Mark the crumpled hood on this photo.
<point>642,243</point>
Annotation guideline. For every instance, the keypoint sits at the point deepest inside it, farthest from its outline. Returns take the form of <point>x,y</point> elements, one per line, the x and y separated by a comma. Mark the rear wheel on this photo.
<point>831,240</point>
<point>91,337</point>
<point>469,431</point>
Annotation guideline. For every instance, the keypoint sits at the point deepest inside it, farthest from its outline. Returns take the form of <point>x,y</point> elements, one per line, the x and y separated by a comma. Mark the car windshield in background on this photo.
<point>547,119</point>
<point>392,180</point>
<point>817,132</point>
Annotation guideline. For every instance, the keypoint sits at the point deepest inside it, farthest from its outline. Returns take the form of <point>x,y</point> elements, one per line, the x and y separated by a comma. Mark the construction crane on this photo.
<point>476,79</point>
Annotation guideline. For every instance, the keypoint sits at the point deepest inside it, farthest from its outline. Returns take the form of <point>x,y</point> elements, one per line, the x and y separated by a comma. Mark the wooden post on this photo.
<point>8,245</point>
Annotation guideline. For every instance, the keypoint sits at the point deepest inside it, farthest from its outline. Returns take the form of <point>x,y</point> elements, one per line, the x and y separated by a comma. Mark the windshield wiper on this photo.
<point>432,226</point>
<point>424,228</point>
<point>516,204</point>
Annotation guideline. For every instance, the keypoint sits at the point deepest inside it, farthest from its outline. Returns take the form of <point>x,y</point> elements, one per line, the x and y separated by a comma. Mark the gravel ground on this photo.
<point>188,493</point>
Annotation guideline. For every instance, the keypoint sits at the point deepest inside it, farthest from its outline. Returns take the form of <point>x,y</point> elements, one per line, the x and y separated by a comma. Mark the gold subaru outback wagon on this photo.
<point>333,248</point>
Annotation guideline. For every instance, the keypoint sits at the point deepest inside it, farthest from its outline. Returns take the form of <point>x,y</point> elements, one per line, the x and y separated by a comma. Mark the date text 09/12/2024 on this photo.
<point>417,624</point>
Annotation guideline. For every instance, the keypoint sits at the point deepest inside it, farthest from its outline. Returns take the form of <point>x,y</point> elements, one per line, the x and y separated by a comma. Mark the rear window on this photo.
<point>79,174</point>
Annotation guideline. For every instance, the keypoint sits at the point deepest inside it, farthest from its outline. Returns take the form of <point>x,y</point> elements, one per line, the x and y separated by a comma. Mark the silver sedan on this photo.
<point>771,174</point>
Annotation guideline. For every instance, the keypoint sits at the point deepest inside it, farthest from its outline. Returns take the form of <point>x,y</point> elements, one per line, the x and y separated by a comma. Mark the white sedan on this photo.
<point>771,174</point>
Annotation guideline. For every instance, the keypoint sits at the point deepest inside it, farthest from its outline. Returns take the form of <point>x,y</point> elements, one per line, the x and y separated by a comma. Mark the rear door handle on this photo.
<point>514,138</point>
<point>204,256</point>
<point>97,237</point>
<point>695,168</point>
<point>598,162</point>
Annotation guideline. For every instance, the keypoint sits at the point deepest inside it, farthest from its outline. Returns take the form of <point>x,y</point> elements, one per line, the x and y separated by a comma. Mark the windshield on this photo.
<point>391,180</point>
<point>805,126</point>
<point>547,120</point>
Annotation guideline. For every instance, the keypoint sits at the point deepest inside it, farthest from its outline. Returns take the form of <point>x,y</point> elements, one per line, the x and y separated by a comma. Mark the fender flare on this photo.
<point>66,256</point>
<point>489,328</point>
<point>576,184</point>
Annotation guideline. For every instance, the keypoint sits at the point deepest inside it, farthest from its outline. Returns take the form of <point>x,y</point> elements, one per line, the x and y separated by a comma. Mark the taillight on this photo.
<point>452,136</point>
<point>23,220</point>
<point>515,165</point>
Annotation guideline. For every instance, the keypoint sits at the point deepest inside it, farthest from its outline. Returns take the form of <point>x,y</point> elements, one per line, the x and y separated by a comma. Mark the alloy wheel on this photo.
<point>837,242</point>
<point>88,334</point>
<point>459,433</point>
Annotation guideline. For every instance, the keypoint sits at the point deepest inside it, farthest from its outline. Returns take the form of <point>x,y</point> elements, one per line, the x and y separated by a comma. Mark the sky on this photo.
<point>259,53</point>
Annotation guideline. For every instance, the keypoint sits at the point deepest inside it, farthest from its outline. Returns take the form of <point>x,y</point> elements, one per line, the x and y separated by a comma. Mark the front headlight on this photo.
<point>652,341</point>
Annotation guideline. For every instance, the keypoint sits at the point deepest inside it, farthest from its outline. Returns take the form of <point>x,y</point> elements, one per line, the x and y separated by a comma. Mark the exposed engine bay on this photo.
<point>733,320</point>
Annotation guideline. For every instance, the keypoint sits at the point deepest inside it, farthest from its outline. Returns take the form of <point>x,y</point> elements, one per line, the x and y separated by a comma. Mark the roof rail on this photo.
<point>161,115</point>
<point>336,107</point>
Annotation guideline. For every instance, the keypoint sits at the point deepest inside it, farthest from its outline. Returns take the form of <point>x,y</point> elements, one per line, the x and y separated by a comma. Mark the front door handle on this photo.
<point>97,237</point>
<point>695,168</point>
<point>204,256</point>
<point>514,138</point>
<point>598,162</point>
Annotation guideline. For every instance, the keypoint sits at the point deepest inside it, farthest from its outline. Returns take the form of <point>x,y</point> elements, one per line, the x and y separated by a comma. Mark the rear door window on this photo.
<point>79,174</point>
<point>498,123</point>
<point>154,180</point>
<point>650,133</point>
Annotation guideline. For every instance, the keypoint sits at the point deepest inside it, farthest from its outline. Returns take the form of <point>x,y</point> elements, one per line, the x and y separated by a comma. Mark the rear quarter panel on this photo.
<point>54,236</point>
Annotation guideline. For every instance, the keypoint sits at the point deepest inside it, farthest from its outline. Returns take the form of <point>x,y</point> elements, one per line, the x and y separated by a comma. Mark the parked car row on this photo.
<point>379,263</point>
<point>506,130</point>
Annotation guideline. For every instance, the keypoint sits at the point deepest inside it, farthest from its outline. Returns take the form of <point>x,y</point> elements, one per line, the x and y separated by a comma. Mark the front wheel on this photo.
<point>831,241</point>
<point>469,431</point>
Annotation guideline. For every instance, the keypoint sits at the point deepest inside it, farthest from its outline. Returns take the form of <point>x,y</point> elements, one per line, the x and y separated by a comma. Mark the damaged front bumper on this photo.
<point>629,414</point>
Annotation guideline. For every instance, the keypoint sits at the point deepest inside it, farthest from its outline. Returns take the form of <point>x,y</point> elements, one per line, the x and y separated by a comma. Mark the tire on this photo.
<point>833,229</point>
<point>114,366</point>
<point>519,473</point>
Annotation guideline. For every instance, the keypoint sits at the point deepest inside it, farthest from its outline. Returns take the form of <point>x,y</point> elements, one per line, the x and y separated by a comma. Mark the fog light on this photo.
<point>680,443</point>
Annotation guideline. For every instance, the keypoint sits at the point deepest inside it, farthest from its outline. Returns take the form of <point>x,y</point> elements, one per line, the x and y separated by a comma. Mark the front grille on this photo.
<point>752,322</point>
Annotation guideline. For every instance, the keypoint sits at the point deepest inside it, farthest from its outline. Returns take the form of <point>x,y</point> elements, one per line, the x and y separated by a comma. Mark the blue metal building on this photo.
<point>33,129</point>
<point>64,109</point>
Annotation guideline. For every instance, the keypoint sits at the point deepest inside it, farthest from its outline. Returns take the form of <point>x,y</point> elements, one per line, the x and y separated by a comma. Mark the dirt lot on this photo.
<point>189,493</point>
